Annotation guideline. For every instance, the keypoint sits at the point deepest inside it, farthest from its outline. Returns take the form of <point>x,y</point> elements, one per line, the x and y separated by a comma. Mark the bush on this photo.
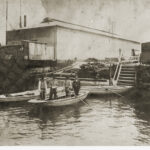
<point>143,74</point>
<point>96,70</point>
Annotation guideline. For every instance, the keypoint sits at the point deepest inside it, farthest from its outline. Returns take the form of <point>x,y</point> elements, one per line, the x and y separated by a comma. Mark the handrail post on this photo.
<point>119,72</point>
<point>116,71</point>
<point>118,68</point>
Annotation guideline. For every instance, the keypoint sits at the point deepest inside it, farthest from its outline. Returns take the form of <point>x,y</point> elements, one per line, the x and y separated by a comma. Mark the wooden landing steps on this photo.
<point>127,75</point>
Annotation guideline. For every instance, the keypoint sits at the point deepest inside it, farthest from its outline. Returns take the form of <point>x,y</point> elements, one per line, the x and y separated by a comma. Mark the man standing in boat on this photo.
<point>42,87</point>
<point>53,89</point>
<point>67,86</point>
<point>76,85</point>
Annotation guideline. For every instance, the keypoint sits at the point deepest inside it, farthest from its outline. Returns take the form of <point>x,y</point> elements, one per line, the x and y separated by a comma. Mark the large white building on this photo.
<point>68,41</point>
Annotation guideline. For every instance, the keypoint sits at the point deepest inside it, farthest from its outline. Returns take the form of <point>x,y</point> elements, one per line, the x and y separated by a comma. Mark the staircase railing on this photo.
<point>117,72</point>
<point>135,78</point>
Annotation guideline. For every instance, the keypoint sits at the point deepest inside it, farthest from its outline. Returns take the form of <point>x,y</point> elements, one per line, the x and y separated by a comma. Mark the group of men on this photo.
<point>70,88</point>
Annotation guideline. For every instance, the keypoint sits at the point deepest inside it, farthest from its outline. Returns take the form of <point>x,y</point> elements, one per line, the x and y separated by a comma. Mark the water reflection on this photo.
<point>105,121</point>
<point>54,114</point>
<point>54,120</point>
<point>142,112</point>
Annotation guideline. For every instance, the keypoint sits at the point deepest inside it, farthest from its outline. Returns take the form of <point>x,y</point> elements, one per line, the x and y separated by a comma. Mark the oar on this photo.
<point>85,102</point>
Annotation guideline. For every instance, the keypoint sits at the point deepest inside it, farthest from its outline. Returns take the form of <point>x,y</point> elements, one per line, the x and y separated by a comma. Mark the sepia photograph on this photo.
<point>74,73</point>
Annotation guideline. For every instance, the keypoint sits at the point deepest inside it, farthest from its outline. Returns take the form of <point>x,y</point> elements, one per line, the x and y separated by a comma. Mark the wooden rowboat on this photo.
<point>22,96</point>
<point>17,98</point>
<point>61,101</point>
<point>106,90</point>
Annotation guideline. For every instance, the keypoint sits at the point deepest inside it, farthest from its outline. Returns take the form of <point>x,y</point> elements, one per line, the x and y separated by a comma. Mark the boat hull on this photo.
<point>17,99</point>
<point>25,96</point>
<point>61,101</point>
<point>106,90</point>
<point>21,96</point>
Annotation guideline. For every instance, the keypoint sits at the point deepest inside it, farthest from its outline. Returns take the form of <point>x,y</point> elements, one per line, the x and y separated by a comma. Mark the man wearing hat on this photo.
<point>67,86</point>
<point>76,85</point>
<point>43,87</point>
<point>53,89</point>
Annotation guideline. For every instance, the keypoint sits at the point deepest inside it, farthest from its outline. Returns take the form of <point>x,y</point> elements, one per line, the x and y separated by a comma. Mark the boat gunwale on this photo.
<point>67,98</point>
<point>60,102</point>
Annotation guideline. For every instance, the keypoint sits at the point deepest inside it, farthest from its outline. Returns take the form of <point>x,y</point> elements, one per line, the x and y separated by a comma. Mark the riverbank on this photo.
<point>139,96</point>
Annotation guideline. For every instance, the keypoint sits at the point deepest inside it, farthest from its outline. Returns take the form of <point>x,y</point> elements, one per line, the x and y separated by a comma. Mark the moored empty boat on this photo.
<point>22,96</point>
<point>105,90</point>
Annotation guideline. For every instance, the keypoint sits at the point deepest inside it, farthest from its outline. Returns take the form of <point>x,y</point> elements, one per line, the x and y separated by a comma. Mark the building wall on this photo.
<point>74,43</point>
<point>69,43</point>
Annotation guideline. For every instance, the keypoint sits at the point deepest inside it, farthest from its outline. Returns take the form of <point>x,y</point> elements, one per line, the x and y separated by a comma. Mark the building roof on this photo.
<point>54,22</point>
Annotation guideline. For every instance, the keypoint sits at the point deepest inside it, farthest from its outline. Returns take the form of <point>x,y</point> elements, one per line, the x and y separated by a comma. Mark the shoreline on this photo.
<point>138,96</point>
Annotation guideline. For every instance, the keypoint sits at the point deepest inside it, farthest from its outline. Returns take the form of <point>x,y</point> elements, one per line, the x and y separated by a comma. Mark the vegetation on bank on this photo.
<point>92,69</point>
<point>143,76</point>
<point>96,70</point>
<point>14,76</point>
<point>141,93</point>
<point>138,95</point>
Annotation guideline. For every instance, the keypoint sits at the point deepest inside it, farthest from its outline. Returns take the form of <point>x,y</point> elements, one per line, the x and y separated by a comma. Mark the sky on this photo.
<point>127,18</point>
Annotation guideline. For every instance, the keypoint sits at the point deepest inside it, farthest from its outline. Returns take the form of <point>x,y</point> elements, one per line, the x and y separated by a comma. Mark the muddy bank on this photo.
<point>138,96</point>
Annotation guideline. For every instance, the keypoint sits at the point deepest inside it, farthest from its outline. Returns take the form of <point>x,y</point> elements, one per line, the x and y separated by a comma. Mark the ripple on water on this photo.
<point>102,122</point>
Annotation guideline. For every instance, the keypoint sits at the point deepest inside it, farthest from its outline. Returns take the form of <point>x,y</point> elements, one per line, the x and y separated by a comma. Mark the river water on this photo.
<point>105,121</point>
